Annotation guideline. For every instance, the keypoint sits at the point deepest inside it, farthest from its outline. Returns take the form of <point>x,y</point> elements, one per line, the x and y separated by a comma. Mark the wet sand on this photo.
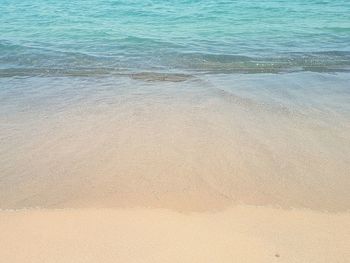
<point>198,145</point>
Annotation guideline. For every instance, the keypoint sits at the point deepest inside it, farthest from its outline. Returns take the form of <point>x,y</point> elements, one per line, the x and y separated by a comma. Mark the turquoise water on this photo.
<point>45,37</point>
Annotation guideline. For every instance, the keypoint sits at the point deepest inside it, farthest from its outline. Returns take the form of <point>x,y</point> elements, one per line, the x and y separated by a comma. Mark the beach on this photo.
<point>239,234</point>
<point>166,173</point>
<point>174,131</point>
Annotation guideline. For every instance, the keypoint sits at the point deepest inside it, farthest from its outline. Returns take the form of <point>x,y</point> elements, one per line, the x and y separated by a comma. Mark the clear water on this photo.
<point>108,37</point>
<point>181,104</point>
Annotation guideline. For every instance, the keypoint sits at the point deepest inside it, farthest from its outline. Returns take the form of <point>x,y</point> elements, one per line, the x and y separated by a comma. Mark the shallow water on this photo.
<point>203,143</point>
<point>192,105</point>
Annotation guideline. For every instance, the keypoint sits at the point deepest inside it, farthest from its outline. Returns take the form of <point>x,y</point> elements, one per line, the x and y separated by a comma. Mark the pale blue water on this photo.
<point>43,37</point>
<point>168,103</point>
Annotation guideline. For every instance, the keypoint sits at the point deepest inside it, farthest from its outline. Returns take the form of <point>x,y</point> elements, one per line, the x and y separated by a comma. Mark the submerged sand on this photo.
<point>239,234</point>
<point>199,145</point>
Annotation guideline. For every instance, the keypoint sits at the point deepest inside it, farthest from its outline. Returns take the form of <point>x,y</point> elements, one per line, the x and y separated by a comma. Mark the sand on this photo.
<point>218,169</point>
<point>238,234</point>
<point>171,145</point>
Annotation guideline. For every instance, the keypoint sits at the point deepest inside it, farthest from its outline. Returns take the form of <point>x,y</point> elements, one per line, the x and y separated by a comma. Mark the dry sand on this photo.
<point>238,234</point>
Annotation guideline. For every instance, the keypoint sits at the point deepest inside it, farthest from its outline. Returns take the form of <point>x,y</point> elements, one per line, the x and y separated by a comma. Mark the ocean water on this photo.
<point>193,105</point>
<point>108,37</point>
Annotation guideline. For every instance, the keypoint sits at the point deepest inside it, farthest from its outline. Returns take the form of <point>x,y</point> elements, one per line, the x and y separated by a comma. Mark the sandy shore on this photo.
<point>239,234</point>
<point>189,154</point>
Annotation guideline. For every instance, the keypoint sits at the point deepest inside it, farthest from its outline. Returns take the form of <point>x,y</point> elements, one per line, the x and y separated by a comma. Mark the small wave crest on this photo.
<point>20,60</point>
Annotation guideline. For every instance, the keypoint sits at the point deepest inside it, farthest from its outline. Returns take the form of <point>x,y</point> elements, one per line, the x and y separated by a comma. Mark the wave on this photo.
<point>21,60</point>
